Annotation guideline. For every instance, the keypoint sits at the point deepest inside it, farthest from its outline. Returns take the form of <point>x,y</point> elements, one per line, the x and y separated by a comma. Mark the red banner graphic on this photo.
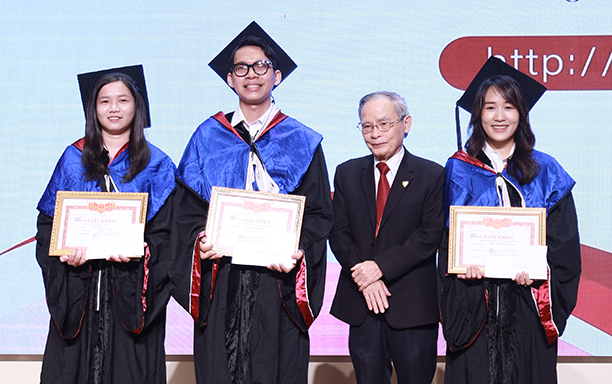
<point>558,62</point>
<point>595,292</point>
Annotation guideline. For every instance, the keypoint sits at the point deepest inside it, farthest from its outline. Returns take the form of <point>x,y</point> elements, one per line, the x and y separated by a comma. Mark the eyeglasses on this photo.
<point>259,67</point>
<point>383,126</point>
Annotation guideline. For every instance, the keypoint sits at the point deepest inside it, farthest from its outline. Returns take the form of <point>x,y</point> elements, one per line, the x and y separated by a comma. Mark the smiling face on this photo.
<point>115,108</point>
<point>500,120</point>
<point>384,145</point>
<point>254,90</point>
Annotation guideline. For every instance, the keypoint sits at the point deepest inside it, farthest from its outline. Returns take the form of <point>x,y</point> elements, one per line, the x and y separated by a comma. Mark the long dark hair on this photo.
<point>95,158</point>
<point>521,166</point>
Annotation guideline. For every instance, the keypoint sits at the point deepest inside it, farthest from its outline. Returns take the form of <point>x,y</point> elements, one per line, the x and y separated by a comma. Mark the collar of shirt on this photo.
<point>498,163</point>
<point>257,126</point>
<point>393,163</point>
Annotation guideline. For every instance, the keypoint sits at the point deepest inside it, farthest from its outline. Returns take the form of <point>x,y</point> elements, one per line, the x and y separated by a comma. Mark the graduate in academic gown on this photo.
<point>502,330</point>
<point>108,317</point>
<point>251,323</point>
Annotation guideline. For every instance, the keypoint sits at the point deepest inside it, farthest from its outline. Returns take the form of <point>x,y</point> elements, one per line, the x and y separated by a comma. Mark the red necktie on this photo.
<point>383,192</point>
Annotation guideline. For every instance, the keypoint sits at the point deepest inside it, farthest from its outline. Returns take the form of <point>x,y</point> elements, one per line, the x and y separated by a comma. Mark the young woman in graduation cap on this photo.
<point>108,316</point>
<point>507,330</point>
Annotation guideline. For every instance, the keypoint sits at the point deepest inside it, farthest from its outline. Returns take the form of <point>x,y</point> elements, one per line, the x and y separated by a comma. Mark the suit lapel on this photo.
<point>367,185</point>
<point>400,186</point>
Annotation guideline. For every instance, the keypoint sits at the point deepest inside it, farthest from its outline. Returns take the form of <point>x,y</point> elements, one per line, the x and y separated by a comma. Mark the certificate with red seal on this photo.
<point>501,241</point>
<point>255,228</point>
<point>104,223</point>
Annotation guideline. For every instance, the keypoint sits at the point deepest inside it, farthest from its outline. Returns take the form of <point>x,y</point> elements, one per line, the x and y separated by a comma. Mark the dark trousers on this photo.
<point>374,345</point>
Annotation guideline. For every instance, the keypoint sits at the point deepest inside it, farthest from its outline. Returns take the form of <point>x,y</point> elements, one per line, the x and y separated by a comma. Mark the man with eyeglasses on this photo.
<point>389,222</point>
<point>251,322</point>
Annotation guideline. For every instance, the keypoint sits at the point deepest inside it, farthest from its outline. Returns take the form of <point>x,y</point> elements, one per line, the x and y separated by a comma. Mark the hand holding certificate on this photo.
<point>502,241</point>
<point>104,223</point>
<point>121,239</point>
<point>506,263</point>
<point>255,228</point>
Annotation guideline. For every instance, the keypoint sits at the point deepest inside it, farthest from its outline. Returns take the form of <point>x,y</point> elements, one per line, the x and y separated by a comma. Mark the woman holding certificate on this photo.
<point>108,315</point>
<point>505,330</point>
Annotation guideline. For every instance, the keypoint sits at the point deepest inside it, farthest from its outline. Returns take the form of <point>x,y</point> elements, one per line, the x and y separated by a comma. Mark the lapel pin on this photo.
<point>404,183</point>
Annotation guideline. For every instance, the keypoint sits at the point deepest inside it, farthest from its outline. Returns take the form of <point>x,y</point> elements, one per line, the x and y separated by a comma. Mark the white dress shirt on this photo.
<point>256,171</point>
<point>498,166</point>
<point>393,163</point>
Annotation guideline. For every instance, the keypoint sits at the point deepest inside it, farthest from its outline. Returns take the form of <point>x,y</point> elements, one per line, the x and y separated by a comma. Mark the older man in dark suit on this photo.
<point>389,223</point>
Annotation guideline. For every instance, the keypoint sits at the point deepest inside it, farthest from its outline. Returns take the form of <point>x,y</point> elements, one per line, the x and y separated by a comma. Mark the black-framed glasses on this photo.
<point>383,126</point>
<point>259,67</point>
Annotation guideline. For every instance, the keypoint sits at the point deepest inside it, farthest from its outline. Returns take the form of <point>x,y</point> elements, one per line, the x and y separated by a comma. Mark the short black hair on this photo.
<point>253,41</point>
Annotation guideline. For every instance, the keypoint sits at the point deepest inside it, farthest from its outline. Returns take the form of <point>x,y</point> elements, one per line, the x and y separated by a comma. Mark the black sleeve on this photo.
<point>317,223</point>
<point>564,259</point>
<point>141,288</point>
<point>65,286</point>
<point>189,213</point>
<point>463,304</point>
<point>341,239</point>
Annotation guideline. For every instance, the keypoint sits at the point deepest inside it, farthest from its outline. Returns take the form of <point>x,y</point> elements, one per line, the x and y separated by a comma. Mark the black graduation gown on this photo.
<point>492,327</point>
<point>249,328</point>
<point>119,343</point>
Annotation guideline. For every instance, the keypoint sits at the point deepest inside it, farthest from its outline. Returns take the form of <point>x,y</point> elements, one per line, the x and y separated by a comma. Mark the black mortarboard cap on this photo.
<point>87,82</point>
<point>221,63</point>
<point>532,90</point>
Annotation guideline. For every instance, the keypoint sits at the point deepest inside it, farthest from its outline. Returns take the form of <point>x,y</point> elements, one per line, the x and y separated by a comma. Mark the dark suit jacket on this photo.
<point>405,250</point>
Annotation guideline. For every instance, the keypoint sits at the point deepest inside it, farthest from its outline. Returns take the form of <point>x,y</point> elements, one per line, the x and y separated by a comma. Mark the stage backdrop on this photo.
<point>423,50</point>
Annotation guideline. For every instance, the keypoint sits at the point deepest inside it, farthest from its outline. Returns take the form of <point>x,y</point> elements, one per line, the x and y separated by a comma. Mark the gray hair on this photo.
<point>399,104</point>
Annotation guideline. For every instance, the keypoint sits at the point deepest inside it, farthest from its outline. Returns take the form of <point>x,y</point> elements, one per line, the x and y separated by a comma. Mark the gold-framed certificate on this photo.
<point>255,228</point>
<point>501,241</point>
<point>105,223</point>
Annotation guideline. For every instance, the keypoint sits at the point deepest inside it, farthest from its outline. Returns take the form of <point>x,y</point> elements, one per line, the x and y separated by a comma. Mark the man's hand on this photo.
<point>366,273</point>
<point>281,268</point>
<point>77,258</point>
<point>523,279</point>
<point>206,251</point>
<point>119,259</point>
<point>376,295</point>
<point>473,272</point>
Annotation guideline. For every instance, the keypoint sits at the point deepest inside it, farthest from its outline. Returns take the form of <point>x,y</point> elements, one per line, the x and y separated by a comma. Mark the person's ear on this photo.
<point>278,76</point>
<point>230,80</point>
